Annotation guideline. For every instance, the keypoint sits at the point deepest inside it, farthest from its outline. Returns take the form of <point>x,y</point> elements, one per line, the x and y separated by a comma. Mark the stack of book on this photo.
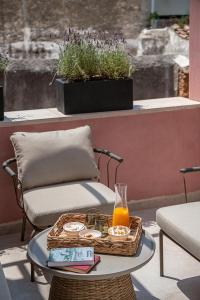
<point>78,260</point>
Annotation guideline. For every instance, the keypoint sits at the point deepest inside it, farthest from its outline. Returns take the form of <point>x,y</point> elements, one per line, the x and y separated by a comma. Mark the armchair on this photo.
<point>42,200</point>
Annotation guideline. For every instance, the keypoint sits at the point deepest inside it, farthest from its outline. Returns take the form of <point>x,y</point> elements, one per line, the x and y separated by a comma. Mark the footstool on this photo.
<point>180,223</point>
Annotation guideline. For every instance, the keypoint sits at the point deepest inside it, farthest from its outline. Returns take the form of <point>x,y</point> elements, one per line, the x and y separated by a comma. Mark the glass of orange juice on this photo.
<point>120,212</point>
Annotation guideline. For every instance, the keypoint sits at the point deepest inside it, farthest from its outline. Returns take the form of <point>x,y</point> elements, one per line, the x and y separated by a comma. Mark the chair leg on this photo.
<point>23,228</point>
<point>32,273</point>
<point>32,265</point>
<point>161,253</point>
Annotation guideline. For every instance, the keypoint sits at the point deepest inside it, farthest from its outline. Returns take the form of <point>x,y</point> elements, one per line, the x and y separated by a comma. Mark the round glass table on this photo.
<point>109,280</point>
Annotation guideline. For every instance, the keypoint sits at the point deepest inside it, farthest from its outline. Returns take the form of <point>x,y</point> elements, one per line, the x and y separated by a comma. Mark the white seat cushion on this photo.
<point>182,223</point>
<point>44,205</point>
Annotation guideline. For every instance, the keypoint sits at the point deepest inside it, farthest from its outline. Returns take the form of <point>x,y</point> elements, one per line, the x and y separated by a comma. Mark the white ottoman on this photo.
<point>181,223</point>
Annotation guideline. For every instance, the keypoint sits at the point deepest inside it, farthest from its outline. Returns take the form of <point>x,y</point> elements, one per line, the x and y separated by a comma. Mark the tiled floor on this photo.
<point>182,280</point>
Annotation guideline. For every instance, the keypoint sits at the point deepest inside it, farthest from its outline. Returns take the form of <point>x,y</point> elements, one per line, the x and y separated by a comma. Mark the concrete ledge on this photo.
<point>140,107</point>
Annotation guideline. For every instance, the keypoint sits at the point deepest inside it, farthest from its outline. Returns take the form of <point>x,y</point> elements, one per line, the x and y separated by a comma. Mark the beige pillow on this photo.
<point>45,158</point>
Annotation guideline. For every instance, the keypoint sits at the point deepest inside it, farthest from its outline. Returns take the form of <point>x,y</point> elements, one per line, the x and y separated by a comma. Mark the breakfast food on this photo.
<point>119,232</point>
<point>90,234</point>
<point>73,228</point>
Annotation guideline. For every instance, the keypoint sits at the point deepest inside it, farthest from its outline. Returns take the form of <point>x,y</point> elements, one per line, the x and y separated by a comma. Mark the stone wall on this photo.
<point>155,76</point>
<point>44,20</point>
<point>162,41</point>
<point>27,85</point>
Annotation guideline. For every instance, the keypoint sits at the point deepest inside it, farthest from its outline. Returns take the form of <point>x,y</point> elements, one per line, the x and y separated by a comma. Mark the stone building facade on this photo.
<point>45,20</point>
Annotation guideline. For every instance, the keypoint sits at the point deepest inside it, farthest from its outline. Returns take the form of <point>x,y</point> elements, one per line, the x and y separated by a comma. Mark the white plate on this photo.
<point>73,226</point>
<point>90,233</point>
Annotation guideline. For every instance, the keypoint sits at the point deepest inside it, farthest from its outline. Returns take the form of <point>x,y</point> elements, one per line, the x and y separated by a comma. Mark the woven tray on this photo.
<point>57,237</point>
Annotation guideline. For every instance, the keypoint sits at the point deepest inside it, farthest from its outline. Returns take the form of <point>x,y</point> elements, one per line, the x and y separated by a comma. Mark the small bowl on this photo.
<point>119,233</point>
<point>90,234</point>
<point>73,228</point>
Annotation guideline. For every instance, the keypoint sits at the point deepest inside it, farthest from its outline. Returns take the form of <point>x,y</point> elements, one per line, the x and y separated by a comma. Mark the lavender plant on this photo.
<point>90,56</point>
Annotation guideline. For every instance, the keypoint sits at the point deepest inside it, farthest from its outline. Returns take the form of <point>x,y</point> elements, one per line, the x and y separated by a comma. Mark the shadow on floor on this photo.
<point>21,289</point>
<point>20,286</point>
<point>190,287</point>
<point>141,292</point>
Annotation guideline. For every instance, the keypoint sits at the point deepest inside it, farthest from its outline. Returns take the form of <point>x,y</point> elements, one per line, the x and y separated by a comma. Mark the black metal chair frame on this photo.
<point>18,186</point>
<point>162,233</point>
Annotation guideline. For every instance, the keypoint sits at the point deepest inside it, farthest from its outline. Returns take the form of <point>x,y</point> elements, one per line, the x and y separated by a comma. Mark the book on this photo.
<point>81,268</point>
<point>71,256</point>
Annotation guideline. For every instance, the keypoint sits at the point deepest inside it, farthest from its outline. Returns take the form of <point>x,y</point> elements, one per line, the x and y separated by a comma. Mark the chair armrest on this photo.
<point>190,170</point>
<point>17,183</point>
<point>109,154</point>
<point>185,171</point>
<point>6,167</point>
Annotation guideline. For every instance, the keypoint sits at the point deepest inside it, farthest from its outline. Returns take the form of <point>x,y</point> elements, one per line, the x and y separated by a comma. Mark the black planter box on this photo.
<point>1,104</point>
<point>94,96</point>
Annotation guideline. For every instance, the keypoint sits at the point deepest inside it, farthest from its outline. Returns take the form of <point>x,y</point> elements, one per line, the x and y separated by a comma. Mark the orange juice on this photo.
<point>120,216</point>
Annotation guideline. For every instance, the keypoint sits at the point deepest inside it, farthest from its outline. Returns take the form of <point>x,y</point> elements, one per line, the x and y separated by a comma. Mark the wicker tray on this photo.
<point>57,237</point>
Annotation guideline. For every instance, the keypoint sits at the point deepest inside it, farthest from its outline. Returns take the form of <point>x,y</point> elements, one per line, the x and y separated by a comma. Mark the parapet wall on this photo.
<point>154,145</point>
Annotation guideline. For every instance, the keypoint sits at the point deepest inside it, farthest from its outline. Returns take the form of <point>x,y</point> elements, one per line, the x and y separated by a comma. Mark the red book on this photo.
<point>80,268</point>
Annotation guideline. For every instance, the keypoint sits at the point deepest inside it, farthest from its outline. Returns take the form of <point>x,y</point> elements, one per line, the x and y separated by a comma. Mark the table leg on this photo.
<point>118,288</point>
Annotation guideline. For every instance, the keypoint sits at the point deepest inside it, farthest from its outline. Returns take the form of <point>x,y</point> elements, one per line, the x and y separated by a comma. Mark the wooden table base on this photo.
<point>118,288</point>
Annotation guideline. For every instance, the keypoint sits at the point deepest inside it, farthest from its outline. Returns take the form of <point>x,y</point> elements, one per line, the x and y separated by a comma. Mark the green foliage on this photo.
<point>182,21</point>
<point>154,16</point>
<point>3,62</point>
<point>78,62</point>
<point>91,58</point>
<point>114,64</point>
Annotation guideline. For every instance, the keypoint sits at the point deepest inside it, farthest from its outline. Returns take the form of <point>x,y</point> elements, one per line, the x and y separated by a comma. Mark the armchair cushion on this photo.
<point>45,158</point>
<point>181,222</point>
<point>44,205</point>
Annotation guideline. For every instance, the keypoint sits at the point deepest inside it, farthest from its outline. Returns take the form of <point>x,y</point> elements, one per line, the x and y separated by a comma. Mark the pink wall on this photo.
<point>194,90</point>
<point>154,145</point>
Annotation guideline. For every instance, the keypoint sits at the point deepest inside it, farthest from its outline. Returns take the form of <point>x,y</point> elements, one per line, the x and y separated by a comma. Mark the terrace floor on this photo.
<point>181,281</point>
